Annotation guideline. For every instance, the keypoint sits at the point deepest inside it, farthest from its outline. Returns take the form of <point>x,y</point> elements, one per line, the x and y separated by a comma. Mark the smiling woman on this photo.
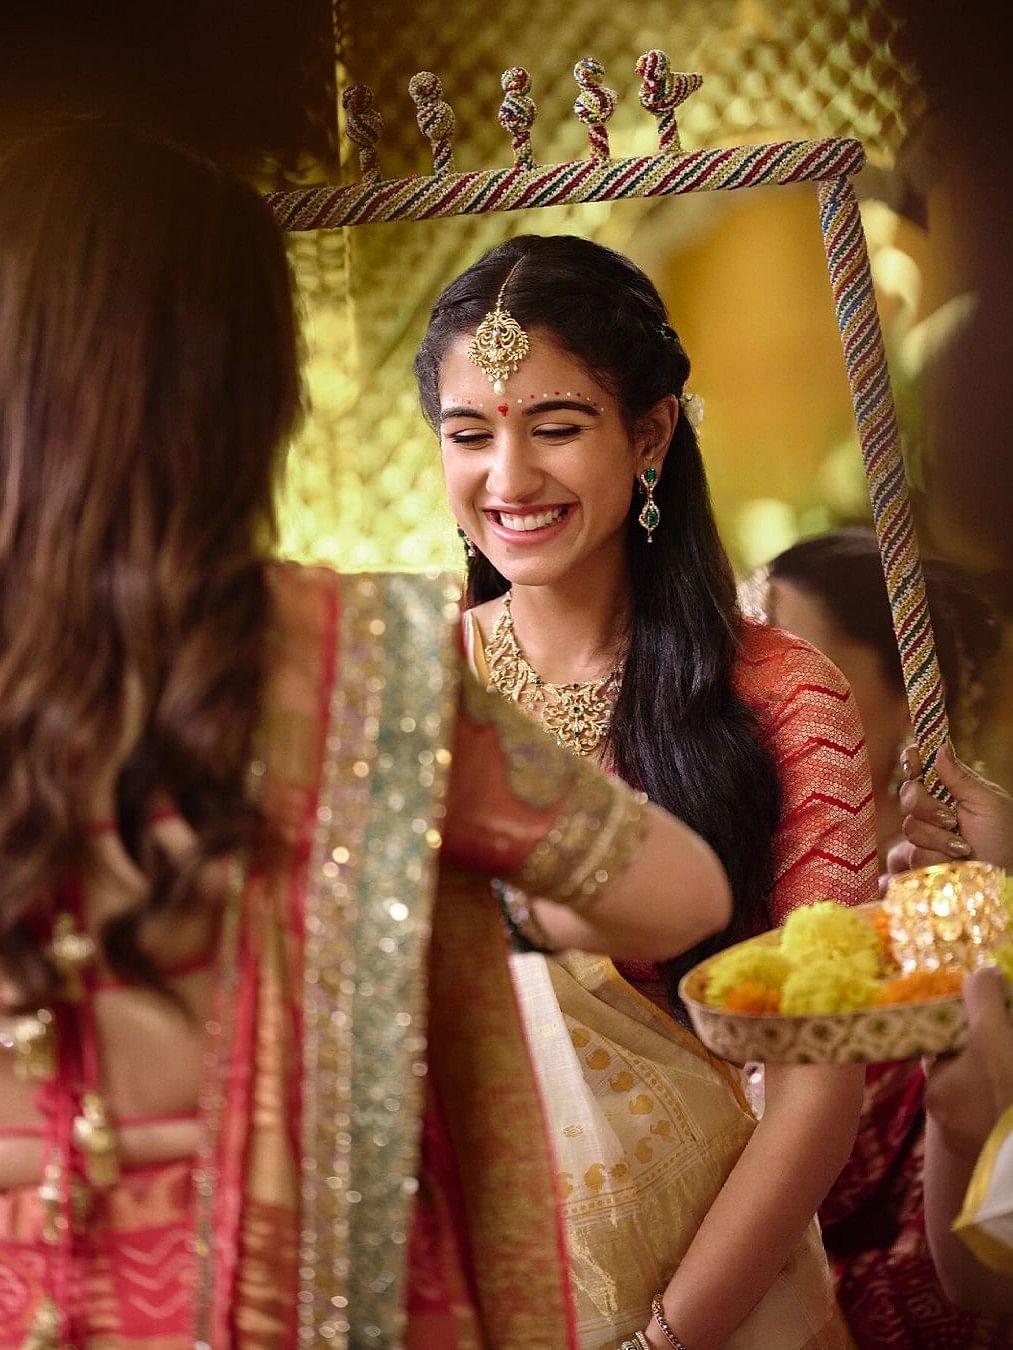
<point>542,483</point>
<point>602,601</point>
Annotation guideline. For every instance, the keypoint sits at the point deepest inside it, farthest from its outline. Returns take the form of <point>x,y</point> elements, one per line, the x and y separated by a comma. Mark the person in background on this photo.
<point>830,590</point>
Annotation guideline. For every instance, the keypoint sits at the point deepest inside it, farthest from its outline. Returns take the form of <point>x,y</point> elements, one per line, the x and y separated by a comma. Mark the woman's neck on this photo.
<point>572,630</point>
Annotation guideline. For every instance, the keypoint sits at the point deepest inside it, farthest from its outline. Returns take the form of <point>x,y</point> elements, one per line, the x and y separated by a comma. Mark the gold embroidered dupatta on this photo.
<point>353,952</point>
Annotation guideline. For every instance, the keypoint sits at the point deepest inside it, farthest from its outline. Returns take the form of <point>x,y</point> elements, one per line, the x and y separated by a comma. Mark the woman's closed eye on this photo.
<point>473,436</point>
<point>476,437</point>
<point>559,431</point>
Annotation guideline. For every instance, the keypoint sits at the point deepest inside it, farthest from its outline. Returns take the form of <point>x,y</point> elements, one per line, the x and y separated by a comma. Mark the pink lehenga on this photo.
<point>374,1168</point>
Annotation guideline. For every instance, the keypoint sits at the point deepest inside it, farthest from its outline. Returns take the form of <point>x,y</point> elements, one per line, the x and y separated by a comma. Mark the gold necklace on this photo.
<point>577,715</point>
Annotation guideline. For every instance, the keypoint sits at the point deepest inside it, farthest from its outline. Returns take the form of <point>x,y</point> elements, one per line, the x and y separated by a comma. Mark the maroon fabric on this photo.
<point>874,1231</point>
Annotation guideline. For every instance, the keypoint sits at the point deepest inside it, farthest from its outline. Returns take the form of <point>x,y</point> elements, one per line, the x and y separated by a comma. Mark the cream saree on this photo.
<point>645,1127</point>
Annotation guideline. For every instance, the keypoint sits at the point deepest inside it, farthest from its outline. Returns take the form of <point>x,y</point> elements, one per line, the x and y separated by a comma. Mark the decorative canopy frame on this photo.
<point>672,171</point>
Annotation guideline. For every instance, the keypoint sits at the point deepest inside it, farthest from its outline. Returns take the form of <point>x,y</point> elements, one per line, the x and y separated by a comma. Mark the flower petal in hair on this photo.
<point>692,405</point>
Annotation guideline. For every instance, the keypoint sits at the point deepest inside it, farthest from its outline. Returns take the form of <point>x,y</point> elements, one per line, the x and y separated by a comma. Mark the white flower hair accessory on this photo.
<point>692,405</point>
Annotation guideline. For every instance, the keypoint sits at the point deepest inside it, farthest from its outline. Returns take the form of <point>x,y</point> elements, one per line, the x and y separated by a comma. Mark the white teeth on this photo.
<point>538,522</point>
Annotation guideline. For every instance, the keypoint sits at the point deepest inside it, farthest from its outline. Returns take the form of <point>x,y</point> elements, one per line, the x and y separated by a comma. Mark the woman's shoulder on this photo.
<point>302,594</point>
<point>774,665</point>
<point>286,576</point>
<point>291,581</point>
<point>314,596</point>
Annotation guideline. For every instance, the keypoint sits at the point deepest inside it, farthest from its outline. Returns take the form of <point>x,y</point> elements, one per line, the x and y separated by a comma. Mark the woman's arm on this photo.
<point>967,1282</point>
<point>965,1097</point>
<point>825,848</point>
<point>672,892</point>
<point>761,1213</point>
<point>615,874</point>
<point>825,845</point>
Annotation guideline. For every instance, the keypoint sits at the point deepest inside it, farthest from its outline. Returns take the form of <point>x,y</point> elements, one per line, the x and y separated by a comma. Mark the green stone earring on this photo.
<point>469,547</point>
<point>650,515</point>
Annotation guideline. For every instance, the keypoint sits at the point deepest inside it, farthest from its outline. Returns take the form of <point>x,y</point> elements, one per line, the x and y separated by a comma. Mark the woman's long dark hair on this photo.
<point>680,731</point>
<point>148,378</point>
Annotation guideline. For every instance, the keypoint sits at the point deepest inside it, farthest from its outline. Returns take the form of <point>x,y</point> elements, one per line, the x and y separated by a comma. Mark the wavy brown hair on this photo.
<point>148,378</point>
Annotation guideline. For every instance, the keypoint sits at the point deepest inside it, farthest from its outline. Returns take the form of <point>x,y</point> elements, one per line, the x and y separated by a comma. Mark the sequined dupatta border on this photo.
<point>368,915</point>
<point>495,1120</point>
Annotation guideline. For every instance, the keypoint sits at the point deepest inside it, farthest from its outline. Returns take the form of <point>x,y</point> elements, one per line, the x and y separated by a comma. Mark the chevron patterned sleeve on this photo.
<point>825,846</point>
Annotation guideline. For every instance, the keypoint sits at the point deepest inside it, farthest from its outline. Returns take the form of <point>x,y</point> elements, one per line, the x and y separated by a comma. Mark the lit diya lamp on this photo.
<point>946,917</point>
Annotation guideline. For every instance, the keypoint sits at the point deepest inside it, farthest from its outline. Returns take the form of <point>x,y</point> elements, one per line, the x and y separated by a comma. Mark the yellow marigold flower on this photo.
<point>827,931</point>
<point>752,963</point>
<point>838,985</point>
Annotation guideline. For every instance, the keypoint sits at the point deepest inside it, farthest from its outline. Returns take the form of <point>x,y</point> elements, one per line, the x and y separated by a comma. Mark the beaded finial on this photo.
<point>363,127</point>
<point>517,113</point>
<point>661,92</point>
<point>435,118</point>
<point>595,104</point>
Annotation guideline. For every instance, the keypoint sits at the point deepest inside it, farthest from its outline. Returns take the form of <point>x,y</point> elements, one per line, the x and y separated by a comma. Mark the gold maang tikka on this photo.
<point>500,344</point>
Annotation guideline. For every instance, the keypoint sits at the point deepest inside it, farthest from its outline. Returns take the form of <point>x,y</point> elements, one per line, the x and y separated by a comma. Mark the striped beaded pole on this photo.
<point>727,168</point>
<point>865,358</point>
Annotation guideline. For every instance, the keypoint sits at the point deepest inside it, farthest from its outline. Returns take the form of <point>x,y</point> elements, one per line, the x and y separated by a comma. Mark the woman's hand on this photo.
<point>652,1334</point>
<point>983,812</point>
<point>967,1093</point>
<point>965,1097</point>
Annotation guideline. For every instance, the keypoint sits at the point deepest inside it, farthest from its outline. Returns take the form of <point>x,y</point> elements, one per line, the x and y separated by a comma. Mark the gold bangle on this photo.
<point>658,1312</point>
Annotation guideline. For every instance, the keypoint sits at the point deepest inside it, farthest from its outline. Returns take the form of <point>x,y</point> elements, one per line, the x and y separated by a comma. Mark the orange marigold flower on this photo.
<point>881,925</point>
<point>752,998</point>
<point>921,984</point>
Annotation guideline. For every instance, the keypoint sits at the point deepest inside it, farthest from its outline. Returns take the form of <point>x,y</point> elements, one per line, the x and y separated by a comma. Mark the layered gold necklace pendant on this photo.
<point>578,715</point>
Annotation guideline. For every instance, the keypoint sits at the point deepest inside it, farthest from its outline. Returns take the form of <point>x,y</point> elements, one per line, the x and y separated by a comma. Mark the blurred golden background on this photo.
<point>743,274</point>
<point>920,83</point>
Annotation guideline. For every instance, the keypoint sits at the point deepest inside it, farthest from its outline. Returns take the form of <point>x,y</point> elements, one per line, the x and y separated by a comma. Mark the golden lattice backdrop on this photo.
<point>364,488</point>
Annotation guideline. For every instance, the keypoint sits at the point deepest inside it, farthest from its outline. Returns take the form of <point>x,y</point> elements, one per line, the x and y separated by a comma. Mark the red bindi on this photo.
<point>502,409</point>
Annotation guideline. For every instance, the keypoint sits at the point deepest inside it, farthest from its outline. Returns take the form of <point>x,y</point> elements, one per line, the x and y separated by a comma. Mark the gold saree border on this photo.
<point>369,905</point>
